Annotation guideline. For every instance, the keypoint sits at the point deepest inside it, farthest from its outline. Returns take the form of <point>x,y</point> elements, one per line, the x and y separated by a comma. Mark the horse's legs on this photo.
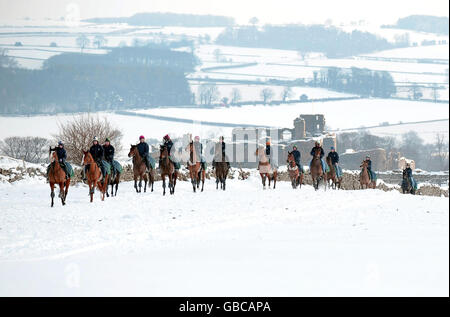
<point>135,184</point>
<point>164,184</point>
<point>91,190</point>
<point>174,182</point>
<point>263,179</point>
<point>61,193</point>
<point>145,183</point>
<point>224,183</point>
<point>275,176</point>
<point>151,178</point>
<point>52,193</point>
<point>217,183</point>
<point>203,179</point>
<point>66,191</point>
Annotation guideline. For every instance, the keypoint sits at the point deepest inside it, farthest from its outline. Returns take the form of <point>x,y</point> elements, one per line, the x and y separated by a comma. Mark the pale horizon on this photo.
<point>267,11</point>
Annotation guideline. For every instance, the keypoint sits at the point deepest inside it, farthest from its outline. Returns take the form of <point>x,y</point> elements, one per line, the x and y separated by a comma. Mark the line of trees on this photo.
<point>422,23</point>
<point>305,38</point>
<point>30,149</point>
<point>169,19</point>
<point>363,82</point>
<point>74,82</point>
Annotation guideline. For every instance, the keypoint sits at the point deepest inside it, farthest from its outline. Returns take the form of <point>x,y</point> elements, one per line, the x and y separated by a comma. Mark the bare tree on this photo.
<point>254,21</point>
<point>435,92</point>
<point>286,93</point>
<point>83,41</point>
<point>442,151</point>
<point>235,95</point>
<point>99,41</point>
<point>5,60</point>
<point>208,93</point>
<point>78,134</point>
<point>30,149</point>
<point>267,95</point>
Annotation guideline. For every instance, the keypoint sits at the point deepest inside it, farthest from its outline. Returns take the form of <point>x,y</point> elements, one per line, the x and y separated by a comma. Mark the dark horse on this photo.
<point>295,174</point>
<point>221,171</point>
<point>407,186</point>
<point>113,181</point>
<point>56,175</point>
<point>317,172</point>
<point>167,168</point>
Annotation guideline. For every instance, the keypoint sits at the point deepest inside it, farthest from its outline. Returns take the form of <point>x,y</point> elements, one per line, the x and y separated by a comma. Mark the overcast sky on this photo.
<point>268,11</point>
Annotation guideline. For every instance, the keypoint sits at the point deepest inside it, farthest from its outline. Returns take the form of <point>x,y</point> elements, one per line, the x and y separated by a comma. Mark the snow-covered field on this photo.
<point>242,242</point>
<point>344,114</point>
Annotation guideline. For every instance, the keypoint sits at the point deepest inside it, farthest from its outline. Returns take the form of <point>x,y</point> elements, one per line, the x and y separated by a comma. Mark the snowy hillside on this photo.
<point>240,242</point>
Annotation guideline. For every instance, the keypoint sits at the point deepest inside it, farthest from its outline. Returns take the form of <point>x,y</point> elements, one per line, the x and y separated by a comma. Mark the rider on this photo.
<point>198,146</point>
<point>108,151</point>
<point>297,156</point>
<point>144,151</point>
<point>96,151</point>
<point>334,157</point>
<point>408,171</point>
<point>369,166</point>
<point>62,156</point>
<point>222,145</point>
<point>167,142</point>
<point>318,147</point>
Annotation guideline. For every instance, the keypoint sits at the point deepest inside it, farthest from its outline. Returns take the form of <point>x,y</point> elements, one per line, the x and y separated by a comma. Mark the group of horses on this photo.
<point>169,174</point>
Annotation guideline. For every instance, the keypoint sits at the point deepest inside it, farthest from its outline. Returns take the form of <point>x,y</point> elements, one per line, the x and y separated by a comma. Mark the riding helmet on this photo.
<point>95,139</point>
<point>60,143</point>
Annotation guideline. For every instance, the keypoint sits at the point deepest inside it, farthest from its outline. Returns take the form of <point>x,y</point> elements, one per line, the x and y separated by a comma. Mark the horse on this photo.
<point>331,176</point>
<point>295,174</point>
<point>196,172</point>
<point>56,175</point>
<point>265,169</point>
<point>94,176</point>
<point>167,168</point>
<point>221,171</point>
<point>364,178</point>
<point>317,172</point>
<point>407,186</point>
<point>140,171</point>
<point>113,181</point>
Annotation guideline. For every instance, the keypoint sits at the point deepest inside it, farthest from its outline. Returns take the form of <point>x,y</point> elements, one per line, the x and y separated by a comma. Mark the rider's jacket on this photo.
<point>60,153</point>
<point>108,152</point>
<point>143,149</point>
<point>334,156</point>
<point>96,151</point>
<point>322,153</point>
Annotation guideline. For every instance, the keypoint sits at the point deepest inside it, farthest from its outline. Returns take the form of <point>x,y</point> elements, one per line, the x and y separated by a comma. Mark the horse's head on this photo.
<point>328,160</point>
<point>54,156</point>
<point>163,151</point>
<point>364,164</point>
<point>133,150</point>
<point>87,158</point>
<point>317,153</point>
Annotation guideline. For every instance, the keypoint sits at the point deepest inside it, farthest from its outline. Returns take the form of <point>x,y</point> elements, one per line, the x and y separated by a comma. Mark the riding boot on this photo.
<point>84,173</point>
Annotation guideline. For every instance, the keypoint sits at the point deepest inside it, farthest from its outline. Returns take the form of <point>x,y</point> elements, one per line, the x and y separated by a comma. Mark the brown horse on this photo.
<point>331,176</point>
<point>140,171</point>
<point>221,171</point>
<point>113,181</point>
<point>56,175</point>
<point>364,178</point>
<point>94,176</point>
<point>265,169</point>
<point>167,168</point>
<point>317,172</point>
<point>196,172</point>
<point>295,174</point>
